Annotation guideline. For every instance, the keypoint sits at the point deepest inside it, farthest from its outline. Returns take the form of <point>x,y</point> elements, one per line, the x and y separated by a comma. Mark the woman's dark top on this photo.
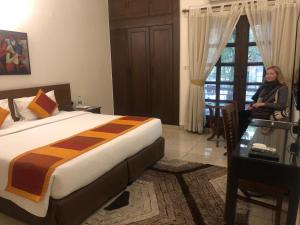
<point>267,94</point>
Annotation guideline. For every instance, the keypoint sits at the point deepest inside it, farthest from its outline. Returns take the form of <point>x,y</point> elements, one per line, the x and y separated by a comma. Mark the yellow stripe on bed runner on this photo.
<point>30,172</point>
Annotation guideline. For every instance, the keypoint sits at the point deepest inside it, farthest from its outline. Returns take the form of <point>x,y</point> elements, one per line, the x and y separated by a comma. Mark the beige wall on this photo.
<point>68,42</point>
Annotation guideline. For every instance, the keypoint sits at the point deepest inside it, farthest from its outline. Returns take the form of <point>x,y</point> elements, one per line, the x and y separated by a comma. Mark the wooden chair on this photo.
<point>231,130</point>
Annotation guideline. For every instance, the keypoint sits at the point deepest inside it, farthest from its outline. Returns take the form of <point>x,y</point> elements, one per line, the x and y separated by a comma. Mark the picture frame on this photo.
<point>14,53</point>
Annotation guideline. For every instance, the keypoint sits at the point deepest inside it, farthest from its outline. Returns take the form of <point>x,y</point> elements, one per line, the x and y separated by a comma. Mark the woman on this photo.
<point>270,97</point>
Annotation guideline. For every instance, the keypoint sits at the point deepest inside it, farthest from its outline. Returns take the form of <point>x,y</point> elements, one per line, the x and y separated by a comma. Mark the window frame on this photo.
<point>240,65</point>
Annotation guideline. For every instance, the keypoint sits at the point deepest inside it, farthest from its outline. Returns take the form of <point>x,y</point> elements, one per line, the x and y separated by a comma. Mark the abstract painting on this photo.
<point>14,55</point>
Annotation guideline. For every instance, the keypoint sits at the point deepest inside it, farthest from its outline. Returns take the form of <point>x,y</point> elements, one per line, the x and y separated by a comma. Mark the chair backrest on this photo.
<point>231,127</point>
<point>237,120</point>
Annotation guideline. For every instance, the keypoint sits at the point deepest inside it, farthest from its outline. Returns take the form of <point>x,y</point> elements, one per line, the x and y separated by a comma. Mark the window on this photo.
<point>220,82</point>
<point>239,71</point>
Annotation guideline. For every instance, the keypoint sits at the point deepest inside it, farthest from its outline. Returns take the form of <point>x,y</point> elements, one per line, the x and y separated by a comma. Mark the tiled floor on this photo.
<point>193,147</point>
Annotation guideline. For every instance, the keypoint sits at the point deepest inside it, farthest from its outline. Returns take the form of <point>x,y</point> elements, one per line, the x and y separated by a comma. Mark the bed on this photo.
<point>70,206</point>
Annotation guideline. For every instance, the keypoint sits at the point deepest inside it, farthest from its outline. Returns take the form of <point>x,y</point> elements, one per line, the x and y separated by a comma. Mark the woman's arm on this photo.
<point>281,99</point>
<point>256,95</point>
<point>254,104</point>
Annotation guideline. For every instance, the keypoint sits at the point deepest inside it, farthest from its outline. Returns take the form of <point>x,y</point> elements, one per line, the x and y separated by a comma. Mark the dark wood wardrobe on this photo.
<point>144,36</point>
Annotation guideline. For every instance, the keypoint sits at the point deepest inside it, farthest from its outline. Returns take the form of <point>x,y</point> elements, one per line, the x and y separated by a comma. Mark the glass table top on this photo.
<point>274,134</point>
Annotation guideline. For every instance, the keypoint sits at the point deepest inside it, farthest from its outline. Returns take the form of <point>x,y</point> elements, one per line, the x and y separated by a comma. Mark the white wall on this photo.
<point>68,42</point>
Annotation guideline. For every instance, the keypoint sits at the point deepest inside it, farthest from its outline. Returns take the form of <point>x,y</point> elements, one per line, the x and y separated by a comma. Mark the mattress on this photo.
<point>79,172</point>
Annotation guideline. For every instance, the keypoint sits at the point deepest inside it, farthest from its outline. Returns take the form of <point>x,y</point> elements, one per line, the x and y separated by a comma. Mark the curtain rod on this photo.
<point>218,6</point>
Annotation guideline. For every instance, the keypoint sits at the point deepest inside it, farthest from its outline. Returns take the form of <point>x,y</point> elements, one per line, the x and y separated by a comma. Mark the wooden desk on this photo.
<point>285,173</point>
<point>215,121</point>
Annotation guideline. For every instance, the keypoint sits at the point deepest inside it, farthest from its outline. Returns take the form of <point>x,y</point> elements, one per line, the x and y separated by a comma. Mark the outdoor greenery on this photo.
<point>212,75</point>
<point>228,55</point>
<point>253,54</point>
<point>227,73</point>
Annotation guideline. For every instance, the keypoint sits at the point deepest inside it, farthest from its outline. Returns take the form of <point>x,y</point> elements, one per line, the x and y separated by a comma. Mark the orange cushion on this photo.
<point>42,106</point>
<point>3,114</point>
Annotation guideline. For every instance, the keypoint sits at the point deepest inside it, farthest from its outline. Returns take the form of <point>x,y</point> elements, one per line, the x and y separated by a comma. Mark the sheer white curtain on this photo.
<point>208,35</point>
<point>274,29</point>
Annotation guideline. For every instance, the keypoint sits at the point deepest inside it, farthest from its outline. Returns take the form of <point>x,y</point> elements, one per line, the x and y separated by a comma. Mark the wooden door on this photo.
<point>120,71</point>
<point>160,7</point>
<point>117,9</point>
<point>162,75</point>
<point>138,46</point>
<point>137,8</point>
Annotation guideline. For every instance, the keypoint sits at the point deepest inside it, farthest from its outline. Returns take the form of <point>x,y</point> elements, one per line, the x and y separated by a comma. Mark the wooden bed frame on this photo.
<point>76,207</point>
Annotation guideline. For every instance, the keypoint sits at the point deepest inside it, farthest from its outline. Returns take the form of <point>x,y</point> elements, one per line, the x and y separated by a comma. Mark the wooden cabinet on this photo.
<point>145,63</point>
<point>117,9</point>
<point>161,61</point>
<point>137,8</point>
<point>120,9</point>
<point>160,7</point>
<point>138,42</point>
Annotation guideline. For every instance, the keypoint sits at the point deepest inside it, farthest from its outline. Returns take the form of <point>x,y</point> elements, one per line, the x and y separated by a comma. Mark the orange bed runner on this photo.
<point>30,172</point>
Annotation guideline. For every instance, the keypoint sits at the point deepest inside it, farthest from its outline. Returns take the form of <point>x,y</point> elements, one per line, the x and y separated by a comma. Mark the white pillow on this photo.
<point>8,120</point>
<point>24,113</point>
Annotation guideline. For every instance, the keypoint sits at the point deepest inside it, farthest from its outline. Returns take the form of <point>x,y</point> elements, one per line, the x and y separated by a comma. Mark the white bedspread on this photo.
<point>79,172</point>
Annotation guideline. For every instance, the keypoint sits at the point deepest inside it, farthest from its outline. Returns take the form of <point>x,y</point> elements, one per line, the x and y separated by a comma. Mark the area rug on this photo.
<point>171,193</point>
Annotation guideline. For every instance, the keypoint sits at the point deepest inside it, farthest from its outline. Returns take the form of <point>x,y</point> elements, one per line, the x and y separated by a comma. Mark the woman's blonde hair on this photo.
<point>278,72</point>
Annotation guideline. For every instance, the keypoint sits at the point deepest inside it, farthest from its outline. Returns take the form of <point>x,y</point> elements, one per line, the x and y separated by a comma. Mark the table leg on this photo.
<point>231,194</point>
<point>293,207</point>
<point>211,124</point>
<point>217,126</point>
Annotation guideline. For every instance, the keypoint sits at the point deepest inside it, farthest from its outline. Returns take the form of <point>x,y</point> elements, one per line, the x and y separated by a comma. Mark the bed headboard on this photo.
<point>62,95</point>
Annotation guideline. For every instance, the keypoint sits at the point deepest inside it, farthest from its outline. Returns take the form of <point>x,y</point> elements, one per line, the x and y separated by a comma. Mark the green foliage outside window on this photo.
<point>228,55</point>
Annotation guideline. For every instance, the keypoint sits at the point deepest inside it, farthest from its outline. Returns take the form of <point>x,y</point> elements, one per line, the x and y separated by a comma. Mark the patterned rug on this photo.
<point>171,193</point>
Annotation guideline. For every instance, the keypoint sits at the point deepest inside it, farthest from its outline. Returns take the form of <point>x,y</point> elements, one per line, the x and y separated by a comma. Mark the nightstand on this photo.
<point>92,109</point>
